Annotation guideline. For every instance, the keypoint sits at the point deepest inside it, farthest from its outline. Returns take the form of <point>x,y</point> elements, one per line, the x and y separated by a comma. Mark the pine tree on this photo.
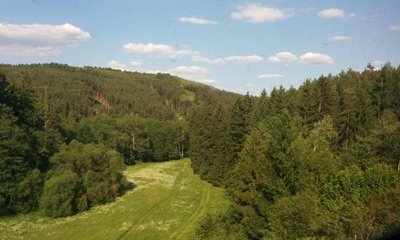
<point>261,108</point>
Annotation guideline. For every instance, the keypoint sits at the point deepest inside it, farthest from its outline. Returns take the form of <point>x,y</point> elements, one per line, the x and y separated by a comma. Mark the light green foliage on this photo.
<point>295,217</point>
<point>350,201</point>
<point>313,158</point>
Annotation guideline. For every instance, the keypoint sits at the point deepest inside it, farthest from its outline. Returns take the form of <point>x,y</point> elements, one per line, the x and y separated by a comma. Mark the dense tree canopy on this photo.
<point>321,161</point>
<point>100,116</point>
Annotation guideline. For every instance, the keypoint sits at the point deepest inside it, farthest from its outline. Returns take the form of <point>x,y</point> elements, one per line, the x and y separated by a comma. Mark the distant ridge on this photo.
<point>78,92</point>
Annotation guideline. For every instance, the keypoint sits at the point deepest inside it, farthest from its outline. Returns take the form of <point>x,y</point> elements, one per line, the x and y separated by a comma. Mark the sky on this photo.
<point>234,45</point>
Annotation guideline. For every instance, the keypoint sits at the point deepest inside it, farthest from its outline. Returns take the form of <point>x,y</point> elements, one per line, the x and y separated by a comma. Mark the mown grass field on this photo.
<point>167,203</point>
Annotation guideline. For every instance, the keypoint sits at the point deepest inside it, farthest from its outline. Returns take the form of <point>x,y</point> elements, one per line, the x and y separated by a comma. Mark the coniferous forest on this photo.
<point>318,162</point>
<point>321,161</point>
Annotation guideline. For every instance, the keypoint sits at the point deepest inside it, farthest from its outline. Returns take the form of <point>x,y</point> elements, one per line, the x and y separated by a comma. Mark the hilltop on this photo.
<point>77,92</point>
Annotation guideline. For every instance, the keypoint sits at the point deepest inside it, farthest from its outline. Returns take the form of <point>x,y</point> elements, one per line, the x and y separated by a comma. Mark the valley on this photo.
<point>166,202</point>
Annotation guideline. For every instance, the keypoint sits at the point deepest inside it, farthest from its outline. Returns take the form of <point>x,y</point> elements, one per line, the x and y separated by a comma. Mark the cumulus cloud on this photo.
<point>244,59</point>
<point>379,63</point>
<point>194,73</point>
<point>283,57</point>
<point>256,13</point>
<point>116,65</point>
<point>268,76</point>
<point>158,50</point>
<point>38,39</point>
<point>136,63</point>
<point>196,20</point>
<point>315,59</point>
<point>341,38</point>
<point>394,27</point>
<point>208,81</point>
<point>217,61</point>
<point>332,13</point>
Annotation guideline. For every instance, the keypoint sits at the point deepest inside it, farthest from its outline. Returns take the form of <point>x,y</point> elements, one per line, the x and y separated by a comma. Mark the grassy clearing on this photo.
<point>167,203</point>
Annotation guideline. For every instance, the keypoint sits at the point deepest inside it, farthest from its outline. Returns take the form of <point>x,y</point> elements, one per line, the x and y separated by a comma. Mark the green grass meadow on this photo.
<point>167,202</point>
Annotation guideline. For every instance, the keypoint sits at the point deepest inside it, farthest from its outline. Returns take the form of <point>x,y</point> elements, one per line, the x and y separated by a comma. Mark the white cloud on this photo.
<point>38,39</point>
<point>315,59</point>
<point>186,52</point>
<point>248,85</point>
<point>268,76</point>
<point>217,61</point>
<point>196,20</point>
<point>116,65</point>
<point>209,82</point>
<point>185,46</point>
<point>150,48</point>
<point>158,50</point>
<point>24,50</point>
<point>195,73</point>
<point>332,13</point>
<point>244,59</point>
<point>394,27</point>
<point>341,38</point>
<point>352,15</point>
<point>283,57</point>
<point>136,63</point>
<point>256,13</point>
<point>379,63</point>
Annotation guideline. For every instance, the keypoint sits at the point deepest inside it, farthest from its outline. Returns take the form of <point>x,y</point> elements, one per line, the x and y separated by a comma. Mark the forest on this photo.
<point>318,162</point>
<point>67,133</point>
<point>321,161</point>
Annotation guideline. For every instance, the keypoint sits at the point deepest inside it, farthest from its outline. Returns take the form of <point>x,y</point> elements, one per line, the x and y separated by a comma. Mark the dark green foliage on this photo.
<point>59,194</point>
<point>29,191</point>
<point>20,151</point>
<point>83,176</point>
<point>13,147</point>
<point>318,162</point>
<point>208,142</point>
<point>131,116</point>
<point>82,92</point>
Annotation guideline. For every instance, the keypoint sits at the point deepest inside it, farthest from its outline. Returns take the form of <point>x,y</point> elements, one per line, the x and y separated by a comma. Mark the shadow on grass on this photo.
<point>128,187</point>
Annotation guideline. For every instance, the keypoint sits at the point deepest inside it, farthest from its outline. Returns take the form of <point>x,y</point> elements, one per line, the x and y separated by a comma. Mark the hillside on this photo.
<point>321,161</point>
<point>167,202</point>
<point>98,119</point>
<point>81,92</point>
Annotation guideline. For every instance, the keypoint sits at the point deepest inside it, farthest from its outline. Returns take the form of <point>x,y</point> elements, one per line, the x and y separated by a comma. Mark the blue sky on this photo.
<point>234,45</point>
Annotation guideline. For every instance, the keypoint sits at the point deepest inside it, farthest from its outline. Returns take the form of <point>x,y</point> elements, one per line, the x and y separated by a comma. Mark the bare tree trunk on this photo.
<point>133,139</point>
<point>398,166</point>
<point>347,131</point>
<point>320,106</point>
<point>182,153</point>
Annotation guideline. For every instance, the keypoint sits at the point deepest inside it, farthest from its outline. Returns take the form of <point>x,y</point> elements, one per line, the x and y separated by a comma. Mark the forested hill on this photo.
<point>318,162</point>
<point>81,92</point>
<point>67,133</point>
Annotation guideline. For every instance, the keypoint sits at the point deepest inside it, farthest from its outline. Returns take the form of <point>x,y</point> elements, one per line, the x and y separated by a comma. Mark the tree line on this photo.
<point>319,161</point>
